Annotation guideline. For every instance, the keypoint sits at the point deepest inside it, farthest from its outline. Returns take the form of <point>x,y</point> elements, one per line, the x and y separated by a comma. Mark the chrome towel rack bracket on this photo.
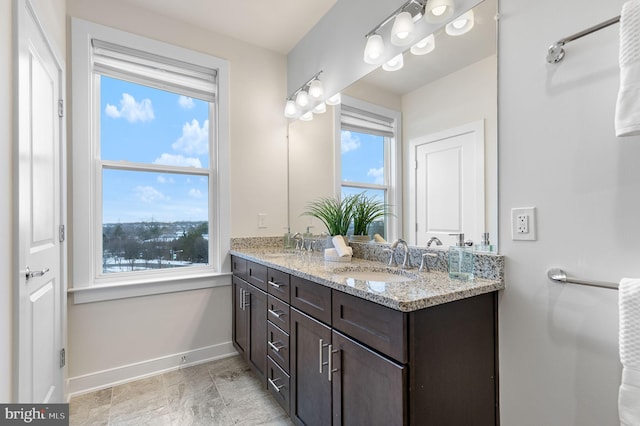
<point>559,276</point>
<point>556,51</point>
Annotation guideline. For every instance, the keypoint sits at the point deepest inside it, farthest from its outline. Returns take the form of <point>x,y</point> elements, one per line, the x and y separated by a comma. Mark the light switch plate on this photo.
<point>523,224</point>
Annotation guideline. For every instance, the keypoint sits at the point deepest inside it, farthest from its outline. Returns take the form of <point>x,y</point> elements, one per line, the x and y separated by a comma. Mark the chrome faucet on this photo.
<point>425,263</point>
<point>297,237</point>
<point>405,246</point>
<point>434,240</point>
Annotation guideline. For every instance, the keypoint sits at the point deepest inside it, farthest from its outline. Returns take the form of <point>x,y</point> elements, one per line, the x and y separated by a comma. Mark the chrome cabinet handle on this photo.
<point>275,386</point>
<point>29,274</point>
<point>241,291</point>
<point>276,285</point>
<point>321,364</point>
<point>277,313</point>
<point>244,299</point>
<point>329,362</point>
<point>274,347</point>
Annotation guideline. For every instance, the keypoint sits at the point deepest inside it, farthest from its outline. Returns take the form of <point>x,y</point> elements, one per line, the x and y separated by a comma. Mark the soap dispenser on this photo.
<point>461,260</point>
<point>485,245</point>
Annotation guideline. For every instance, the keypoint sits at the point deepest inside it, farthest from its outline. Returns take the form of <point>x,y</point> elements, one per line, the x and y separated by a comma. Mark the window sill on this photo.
<point>101,293</point>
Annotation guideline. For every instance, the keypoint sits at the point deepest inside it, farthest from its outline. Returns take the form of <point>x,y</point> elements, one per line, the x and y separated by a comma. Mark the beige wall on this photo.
<point>119,333</point>
<point>459,98</point>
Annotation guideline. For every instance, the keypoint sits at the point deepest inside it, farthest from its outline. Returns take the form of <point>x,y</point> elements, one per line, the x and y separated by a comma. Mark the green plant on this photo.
<point>366,210</point>
<point>335,214</point>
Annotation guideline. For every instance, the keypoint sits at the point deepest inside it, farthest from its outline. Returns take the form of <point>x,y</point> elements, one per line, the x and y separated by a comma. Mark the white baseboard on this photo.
<point>127,373</point>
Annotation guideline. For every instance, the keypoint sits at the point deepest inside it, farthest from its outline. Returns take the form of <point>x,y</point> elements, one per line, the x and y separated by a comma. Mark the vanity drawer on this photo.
<point>239,267</point>
<point>278,313</point>
<point>311,298</point>
<point>278,346</point>
<point>257,275</point>
<point>377,326</point>
<point>278,284</point>
<point>278,382</point>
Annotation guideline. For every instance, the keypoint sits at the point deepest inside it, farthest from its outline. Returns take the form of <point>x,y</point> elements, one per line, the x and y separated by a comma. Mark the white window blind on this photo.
<point>163,73</point>
<point>357,120</point>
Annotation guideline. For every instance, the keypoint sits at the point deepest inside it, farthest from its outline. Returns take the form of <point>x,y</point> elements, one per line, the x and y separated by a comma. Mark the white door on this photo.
<point>39,216</point>
<point>448,184</point>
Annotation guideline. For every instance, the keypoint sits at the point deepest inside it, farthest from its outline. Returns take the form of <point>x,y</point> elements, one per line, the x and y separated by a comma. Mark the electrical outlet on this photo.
<point>523,224</point>
<point>262,220</point>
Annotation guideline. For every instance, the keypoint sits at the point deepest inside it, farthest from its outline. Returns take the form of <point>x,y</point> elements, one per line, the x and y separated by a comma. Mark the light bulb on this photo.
<point>394,64</point>
<point>374,49</point>
<point>290,109</point>
<point>438,11</point>
<point>320,108</point>
<point>334,100</point>
<point>403,30</point>
<point>302,99</point>
<point>307,116</point>
<point>424,46</point>
<point>316,90</point>
<point>462,25</point>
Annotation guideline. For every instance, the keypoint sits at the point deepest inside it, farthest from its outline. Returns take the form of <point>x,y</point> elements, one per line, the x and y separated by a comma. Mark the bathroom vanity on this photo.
<point>359,343</point>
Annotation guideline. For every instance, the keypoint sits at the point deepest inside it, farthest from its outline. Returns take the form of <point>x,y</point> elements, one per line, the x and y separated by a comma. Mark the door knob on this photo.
<point>30,274</point>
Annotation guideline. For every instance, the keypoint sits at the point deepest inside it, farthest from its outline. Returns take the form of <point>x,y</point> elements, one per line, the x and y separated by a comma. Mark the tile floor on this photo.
<point>222,392</point>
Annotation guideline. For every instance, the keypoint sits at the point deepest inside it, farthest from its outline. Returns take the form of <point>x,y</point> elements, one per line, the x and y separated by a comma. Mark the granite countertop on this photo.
<point>420,290</point>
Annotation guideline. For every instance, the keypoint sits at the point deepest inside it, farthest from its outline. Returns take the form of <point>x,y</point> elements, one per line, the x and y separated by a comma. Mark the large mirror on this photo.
<point>447,100</point>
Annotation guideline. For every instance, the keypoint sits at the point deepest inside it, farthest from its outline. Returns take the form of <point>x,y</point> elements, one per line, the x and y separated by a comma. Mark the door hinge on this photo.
<point>60,108</point>
<point>61,233</point>
<point>63,358</point>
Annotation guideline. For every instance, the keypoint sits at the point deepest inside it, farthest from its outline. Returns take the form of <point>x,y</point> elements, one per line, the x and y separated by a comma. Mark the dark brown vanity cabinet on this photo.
<point>249,328</point>
<point>337,359</point>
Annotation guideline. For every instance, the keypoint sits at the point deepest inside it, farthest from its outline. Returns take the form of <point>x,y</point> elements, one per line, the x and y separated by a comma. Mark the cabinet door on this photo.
<point>368,389</point>
<point>310,385</point>
<point>257,308</point>
<point>239,315</point>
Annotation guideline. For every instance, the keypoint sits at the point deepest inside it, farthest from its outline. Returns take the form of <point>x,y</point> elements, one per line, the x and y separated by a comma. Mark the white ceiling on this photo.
<point>274,24</point>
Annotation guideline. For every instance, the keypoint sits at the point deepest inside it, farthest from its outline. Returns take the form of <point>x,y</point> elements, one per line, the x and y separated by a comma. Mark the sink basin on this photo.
<point>379,275</point>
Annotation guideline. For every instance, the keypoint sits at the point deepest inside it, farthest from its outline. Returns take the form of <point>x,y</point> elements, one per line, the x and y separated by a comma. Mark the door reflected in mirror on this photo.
<point>450,89</point>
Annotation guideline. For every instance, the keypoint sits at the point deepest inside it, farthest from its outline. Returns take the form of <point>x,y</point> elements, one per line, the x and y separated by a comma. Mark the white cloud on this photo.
<point>195,193</point>
<point>186,102</point>
<point>194,139</point>
<point>131,110</point>
<point>178,160</point>
<point>378,174</point>
<point>349,142</point>
<point>162,179</point>
<point>148,194</point>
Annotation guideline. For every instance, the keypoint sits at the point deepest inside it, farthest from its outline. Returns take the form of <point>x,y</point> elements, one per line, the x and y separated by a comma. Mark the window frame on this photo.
<point>89,283</point>
<point>392,160</point>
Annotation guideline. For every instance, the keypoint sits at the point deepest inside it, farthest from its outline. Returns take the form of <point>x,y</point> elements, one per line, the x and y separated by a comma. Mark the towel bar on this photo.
<point>556,51</point>
<point>559,276</point>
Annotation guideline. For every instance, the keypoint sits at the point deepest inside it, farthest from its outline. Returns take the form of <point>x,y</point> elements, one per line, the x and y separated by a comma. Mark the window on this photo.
<point>149,161</point>
<point>368,158</point>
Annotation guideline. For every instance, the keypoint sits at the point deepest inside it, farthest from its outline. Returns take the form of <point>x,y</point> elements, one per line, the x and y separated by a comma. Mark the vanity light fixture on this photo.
<point>462,25</point>
<point>394,64</point>
<point>307,116</point>
<point>304,99</point>
<point>438,11</point>
<point>402,33</point>
<point>424,46</point>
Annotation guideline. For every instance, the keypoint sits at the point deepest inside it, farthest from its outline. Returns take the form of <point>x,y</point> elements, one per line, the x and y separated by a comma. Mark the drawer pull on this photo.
<point>275,386</point>
<point>274,347</point>
<point>276,285</point>
<point>329,362</point>
<point>277,313</point>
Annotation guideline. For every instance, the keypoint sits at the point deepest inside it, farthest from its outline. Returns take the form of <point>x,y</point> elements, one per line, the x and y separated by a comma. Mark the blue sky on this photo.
<point>145,125</point>
<point>362,157</point>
